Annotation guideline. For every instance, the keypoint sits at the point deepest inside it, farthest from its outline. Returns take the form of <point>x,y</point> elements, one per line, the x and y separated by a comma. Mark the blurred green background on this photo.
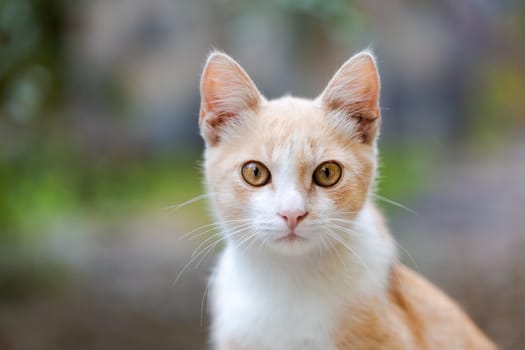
<point>98,139</point>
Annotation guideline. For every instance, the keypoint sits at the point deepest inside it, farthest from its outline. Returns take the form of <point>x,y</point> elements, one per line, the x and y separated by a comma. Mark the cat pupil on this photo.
<point>256,171</point>
<point>326,172</point>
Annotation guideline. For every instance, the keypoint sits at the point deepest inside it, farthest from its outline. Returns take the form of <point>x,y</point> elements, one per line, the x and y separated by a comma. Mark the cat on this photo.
<point>308,261</point>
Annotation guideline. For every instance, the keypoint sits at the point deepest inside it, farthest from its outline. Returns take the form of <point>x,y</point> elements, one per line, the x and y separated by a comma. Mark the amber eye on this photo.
<point>327,174</point>
<point>255,173</point>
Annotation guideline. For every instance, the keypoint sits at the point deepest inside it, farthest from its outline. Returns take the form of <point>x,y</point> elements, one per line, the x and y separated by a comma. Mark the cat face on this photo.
<point>285,175</point>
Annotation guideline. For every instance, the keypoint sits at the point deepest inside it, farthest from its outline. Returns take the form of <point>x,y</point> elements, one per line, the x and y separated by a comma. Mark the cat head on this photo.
<point>285,174</point>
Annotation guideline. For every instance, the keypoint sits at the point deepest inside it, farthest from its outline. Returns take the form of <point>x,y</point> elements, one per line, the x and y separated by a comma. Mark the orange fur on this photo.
<point>412,314</point>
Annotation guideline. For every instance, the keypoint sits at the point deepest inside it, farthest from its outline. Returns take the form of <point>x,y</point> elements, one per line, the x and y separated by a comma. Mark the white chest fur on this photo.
<point>275,312</point>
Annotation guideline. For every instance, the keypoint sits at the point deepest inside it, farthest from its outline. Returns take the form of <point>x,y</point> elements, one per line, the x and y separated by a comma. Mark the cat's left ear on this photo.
<point>352,97</point>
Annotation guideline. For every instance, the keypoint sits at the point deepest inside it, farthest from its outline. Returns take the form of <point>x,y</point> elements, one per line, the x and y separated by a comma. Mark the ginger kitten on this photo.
<point>308,262</point>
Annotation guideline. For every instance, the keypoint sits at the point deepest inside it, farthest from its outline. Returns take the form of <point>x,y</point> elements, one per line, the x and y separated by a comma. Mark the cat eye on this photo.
<point>255,173</point>
<point>327,174</point>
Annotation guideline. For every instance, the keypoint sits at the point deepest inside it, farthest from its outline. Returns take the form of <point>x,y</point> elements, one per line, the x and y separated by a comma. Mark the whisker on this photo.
<point>321,247</point>
<point>218,227</point>
<point>349,222</point>
<point>197,198</point>
<point>214,224</point>
<point>198,251</point>
<point>403,249</point>
<point>262,243</point>
<point>349,212</point>
<point>238,229</point>
<point>416,266</point>
<point>208,250</point>
<point>244,240</point>
<point>334,248</point>
<point>203,300</point>
<point>352,251</point>
<point>251,242</point>
<point>203,243</point>
<point>342,228</point>
<point>394,203</point>
<point>212,246</point>
<point>198,234</point>
<point>181,272</point>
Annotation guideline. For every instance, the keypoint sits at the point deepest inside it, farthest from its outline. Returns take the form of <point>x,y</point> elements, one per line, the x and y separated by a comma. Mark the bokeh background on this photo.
<point>98,140</point>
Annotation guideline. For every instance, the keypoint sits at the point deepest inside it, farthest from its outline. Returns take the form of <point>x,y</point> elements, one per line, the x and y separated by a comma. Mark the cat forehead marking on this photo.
<point>290,127</point>
<point>291,112</point>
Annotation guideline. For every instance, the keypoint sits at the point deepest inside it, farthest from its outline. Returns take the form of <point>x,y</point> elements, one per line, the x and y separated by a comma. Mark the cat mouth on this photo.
<point>291,237</point>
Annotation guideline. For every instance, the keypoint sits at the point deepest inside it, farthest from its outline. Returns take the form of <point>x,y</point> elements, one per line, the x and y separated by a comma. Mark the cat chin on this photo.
<point>291,247</point>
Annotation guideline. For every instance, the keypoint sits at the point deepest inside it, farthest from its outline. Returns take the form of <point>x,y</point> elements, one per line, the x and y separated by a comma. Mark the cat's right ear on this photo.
<point>226,93</point>
<point>352,97</point>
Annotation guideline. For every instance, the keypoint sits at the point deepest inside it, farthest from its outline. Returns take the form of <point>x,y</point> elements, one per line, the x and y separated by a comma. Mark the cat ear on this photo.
<point>352,96</point>
<point>226,92</point>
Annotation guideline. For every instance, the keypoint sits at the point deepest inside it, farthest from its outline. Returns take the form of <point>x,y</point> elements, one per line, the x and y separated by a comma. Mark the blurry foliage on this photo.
<point>40,190</point>
<point>340,19</point>
<point>31,65</point>
<point>404,169</point>
<point>327,10</point>
<point>497,108</point>
<point>323,9</point>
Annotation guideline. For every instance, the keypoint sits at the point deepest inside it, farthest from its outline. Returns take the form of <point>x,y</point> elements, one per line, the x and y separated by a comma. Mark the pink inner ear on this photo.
<point>226,91</point>
<point>354,91</point>
<point>355,87</point>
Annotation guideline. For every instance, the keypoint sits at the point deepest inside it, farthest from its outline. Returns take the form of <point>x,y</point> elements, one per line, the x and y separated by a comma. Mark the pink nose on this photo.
<point>293,217</point>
